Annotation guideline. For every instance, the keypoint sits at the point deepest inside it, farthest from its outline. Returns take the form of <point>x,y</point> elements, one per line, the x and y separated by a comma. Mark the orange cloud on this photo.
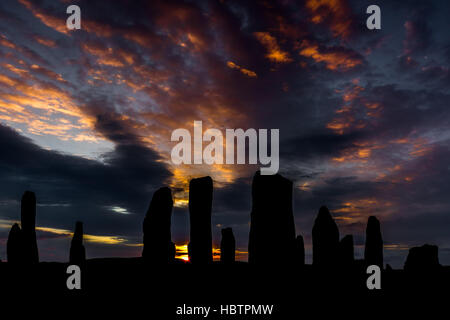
<point>107,56</point>
<point>6,43</point>
<point>101,30</point>
<point>50,21</point>
<point>86,237</point>
<point>360,152</point>
<point>41,106</point>
<point>416,147</point>
<point>334,60</point>
<point>274,51</point>
<point>14,69</point>
<point>46,72</point>
<point>340,124</point>
<point>358,210</point>
<point>46,42</point>
<point>335,13</point>
<point>421,147</point>
<point>395,247</point>
<point>352,115</point>
<point>247,72</point>
<point>6,80</point>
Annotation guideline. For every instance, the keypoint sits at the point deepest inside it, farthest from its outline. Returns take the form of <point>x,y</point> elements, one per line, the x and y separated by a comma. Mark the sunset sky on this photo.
<point>86,115</point>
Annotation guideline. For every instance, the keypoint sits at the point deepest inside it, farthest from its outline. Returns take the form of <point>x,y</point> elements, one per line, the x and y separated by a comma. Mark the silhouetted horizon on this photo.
<point>272,238</point>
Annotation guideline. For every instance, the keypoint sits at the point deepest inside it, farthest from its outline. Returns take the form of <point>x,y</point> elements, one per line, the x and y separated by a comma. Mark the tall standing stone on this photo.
<point>272,230</point>
<point>227,246</point>
<point>200,204</point>
<point>373,253</point>
<point>28,218</point>
<point>14,246</point>
<point>346,250</point>
<point>77,251</point>
<point>300,250</point>
<point>158,246</point>
<point>423,259</point>
<point>325,234</point>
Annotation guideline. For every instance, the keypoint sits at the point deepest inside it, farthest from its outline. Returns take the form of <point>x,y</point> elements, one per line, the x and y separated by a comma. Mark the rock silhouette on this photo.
<point>158,246</point>
<point>373,252</point>
<point>424,258</point>
<point>14,246</point>
<point>227,246</point>
<point>325,236</point>
<point>272,230</point>
<point>346,251</point>
<point>77,252</point>
<point>28,219</point>
<point>200,204</point>
<point>172,251</point>
<point>300,250</point>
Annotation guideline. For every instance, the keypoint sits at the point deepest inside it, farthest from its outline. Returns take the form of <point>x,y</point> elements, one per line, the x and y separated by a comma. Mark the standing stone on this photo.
<point>77,251</point>
<point>28,217</point>
<point>227,246</point>
<point>158,245</point>
<point>200,204</point>
<point>272,230</point>
<point>373,253</point>
<point>172,251</point>
<point>346,251</point>
<point>189,249</point>
<point>325,234</point>
<point>14,246</point>
<point>424,258</point>
<point>300,250</point>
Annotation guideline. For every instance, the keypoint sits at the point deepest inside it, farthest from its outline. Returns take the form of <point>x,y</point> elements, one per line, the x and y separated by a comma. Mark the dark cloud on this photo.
<point>71,188</point>
<point>418,36</point>
<point>318,145</point>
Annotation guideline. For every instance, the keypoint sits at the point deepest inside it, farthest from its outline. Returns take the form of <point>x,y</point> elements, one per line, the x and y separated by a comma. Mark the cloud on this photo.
<point>58,24</point>
<point>417,38</point>
<point>274,52</point>
<point>247,72</point>
<point>336,59</point>
<point>336,14</point>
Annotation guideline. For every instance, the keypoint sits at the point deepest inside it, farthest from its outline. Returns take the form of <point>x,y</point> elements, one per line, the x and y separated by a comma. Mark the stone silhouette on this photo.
<point>14,246</point>
<point>325,236</point>
<point>227,246</point>
<point>300,250</point>
<point>77,252</point>
<point>172,251</point>
<point>373,253</point>
<point>346,251</point>
<point>28,219</point>
<point>200,204</point>
<point>189,251</point>
<point>272,230</point>
<point>424,258</point>
<point>158,246</point>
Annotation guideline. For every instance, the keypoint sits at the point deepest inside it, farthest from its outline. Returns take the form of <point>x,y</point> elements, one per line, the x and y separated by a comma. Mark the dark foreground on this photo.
<point>112,287</point>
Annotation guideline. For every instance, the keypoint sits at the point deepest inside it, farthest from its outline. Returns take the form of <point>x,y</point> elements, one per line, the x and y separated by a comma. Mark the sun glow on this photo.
<point>181,251</point>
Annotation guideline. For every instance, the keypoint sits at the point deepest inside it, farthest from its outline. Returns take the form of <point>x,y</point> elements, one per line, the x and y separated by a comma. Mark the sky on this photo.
<point>86,116</point>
